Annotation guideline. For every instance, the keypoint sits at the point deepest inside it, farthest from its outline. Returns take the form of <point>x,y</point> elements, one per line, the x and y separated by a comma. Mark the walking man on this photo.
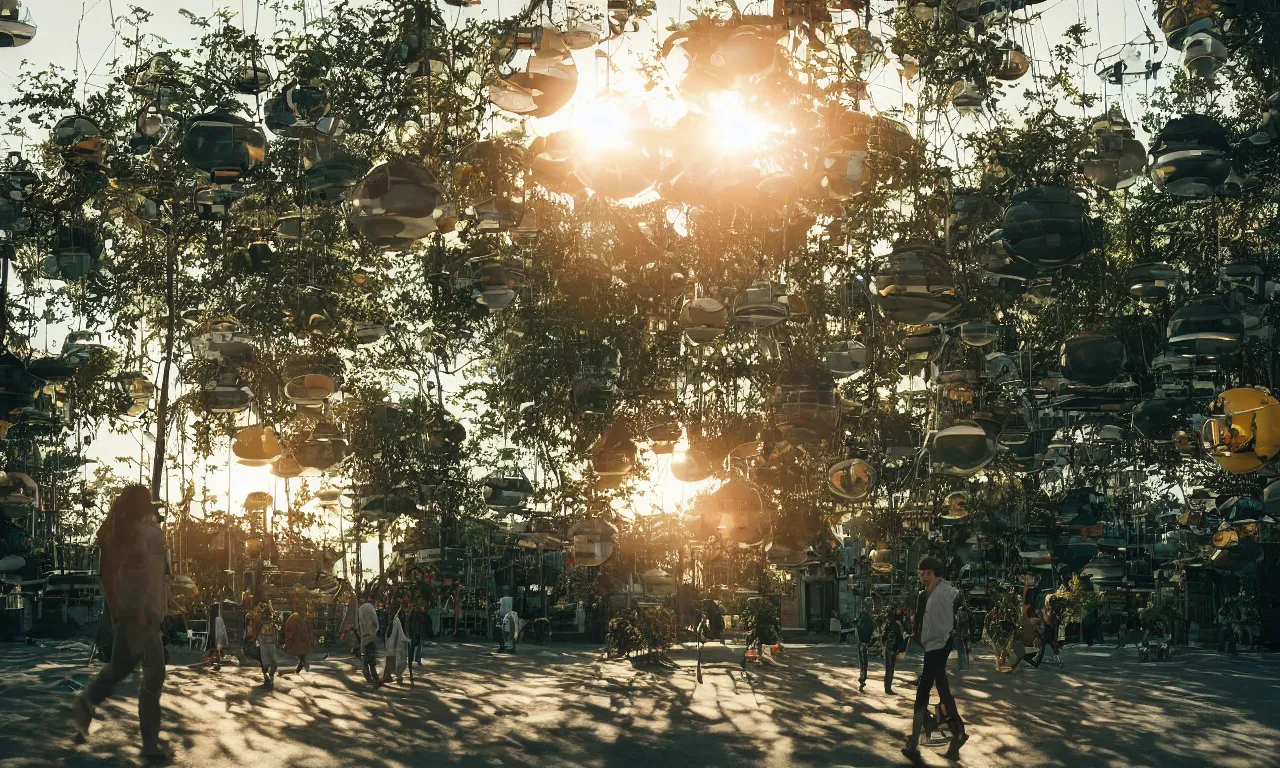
<point>368,624</point>
<point>935,626</point>
<point>297,639</point>
<point>134,561</point>
<point>417,628</point>
<point>866,625</point>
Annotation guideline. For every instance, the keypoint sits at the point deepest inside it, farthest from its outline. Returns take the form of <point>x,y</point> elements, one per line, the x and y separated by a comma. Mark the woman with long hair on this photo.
<point>136,588</point>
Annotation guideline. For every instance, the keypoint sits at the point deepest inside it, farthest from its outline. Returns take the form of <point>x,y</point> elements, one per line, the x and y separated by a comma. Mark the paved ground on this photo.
<point>565,706</point>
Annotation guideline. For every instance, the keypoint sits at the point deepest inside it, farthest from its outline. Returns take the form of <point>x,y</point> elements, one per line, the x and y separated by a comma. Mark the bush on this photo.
<point>760,619</point>
<point>648,629</point>
<point>1078,600</point>
<point>1003,620</point>
<point>537,631</point>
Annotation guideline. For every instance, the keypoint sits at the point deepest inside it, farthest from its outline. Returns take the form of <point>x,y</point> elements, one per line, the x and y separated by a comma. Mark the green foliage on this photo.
<point>646,628</point>
<point>760,619</point>
<point>1078,601</point>
<point>1003,620</point>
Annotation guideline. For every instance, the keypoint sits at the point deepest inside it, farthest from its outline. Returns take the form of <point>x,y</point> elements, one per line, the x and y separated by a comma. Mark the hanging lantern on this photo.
<point>762,305</point>
<point>1092,359</point>
<point>223,338</point>
<point>915,286</point>
<point>301,105</point>
<point>16,26</point>
<point>1049,227</point>
<point>330,180</point>
<point>1243,280</point>
<point>846,358</point>
<point>287,467</point>
<point>547,80</point>
<point>1205,327</point>
<point>703,320</point>
<point>213,203</point>
<point>962,449</point>
<point>80,140</point>
<point>223,147</point>
<point>851,479</point>
<point>75,253</point>
<point>226,393</point>
<point>394,205</point>
<point>256,446</point>
<point>1242,432</point>
<point>1151,282</point>
<point>1191,157</point>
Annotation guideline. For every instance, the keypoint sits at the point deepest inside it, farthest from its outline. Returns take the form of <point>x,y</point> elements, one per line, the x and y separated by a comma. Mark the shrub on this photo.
<point>1003,620</point>
<point>648,629</point>
<point>622,637</point>
<point>760,619</point>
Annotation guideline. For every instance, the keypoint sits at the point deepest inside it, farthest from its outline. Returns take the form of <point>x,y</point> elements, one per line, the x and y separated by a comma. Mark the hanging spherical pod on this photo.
<point>323,450</point>
<point>915,287</point>
<point>81,140</point>
<point>1191,156</point>
<point>962,449</point>
<point>1092,359</point>
<point>498,280</point>
<point>367,332</point>
<point>1163,419</point>
<point>287,467</point>
<point>394,205</point>
<point>156,78</point>
<point>75,253</point>
<point>967,97</point>
<point>213,203</point>
<point>507,490</point>
<point>1243,281</point>
<point>1206,327</point>
<point>1049,227</point>
<point>545,83</point>
<point>691,465</point>
<point>733,513</point>
<point>846,358</point>
<point>613,456</point>
<point>330,180</point>
<point>851,479</point>
<point>869,49</point>
<point>1014,63</point>
<point>703,320</point>
<point>253,79</point>
<point>311,380</point>
<point>761,305</point>
<point>956,506</point>
<point>223,146</point>
<point>256,446</point>
<point>593,542</point>
<point>805,414</point>
<point>444,433</point>
<point>749,51</point>
<point>1118,159</point>
<point>663,438</point>
<point>1242,432</point>
<point>1151,282</point>
<point>923,10</point>
<point>883,559</point>
<point>16,27</point>
<point>979,333</point>
<point>226,393</point>
<point>843,167</point>
<point>1204,53</point>
<point>1180,18</point>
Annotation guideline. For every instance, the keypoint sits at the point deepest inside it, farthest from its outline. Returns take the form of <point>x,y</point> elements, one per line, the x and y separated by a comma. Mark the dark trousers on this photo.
<point>935,674</point>
<point>302,662</point>
<point>890,661</point>
<point>371,661</point>
<point>862,662</point>
<point>133,645</point>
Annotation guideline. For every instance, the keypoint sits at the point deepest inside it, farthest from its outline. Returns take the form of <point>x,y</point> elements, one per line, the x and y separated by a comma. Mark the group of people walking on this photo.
<point>401,631</point>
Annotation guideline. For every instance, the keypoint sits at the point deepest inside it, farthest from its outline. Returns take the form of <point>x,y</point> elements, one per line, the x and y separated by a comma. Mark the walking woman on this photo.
<point>894,639</point>
<point>133,568</point>
<point>268,639</point>
<point>397,650</point>
<point>297,640</point>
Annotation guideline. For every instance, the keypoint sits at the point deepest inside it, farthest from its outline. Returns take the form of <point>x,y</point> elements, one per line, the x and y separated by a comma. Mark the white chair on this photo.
<point>197,633</point>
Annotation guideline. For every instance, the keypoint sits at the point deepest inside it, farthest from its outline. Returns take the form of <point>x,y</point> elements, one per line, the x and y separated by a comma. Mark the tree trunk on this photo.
<point>162,407</point>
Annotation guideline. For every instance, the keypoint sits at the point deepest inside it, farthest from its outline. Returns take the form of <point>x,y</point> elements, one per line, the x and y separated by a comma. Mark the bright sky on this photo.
<point>80,35</point>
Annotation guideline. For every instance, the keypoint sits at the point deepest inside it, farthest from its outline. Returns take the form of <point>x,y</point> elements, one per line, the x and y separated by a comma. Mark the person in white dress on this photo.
<point>397,650</point>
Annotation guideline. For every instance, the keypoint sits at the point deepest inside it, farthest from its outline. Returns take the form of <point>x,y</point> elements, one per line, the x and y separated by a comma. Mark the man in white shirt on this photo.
<point>368,628</point>
<point>934,635</point>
